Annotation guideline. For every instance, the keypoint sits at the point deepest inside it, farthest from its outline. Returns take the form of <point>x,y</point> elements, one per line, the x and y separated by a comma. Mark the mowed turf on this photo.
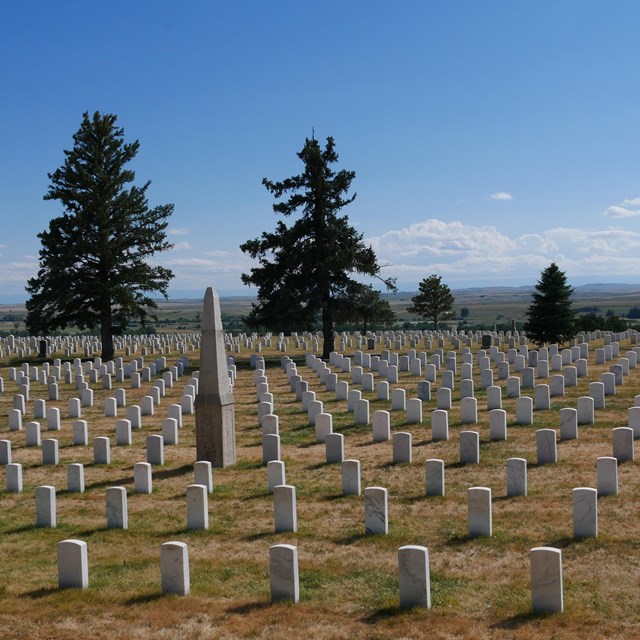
<point>348,581</point>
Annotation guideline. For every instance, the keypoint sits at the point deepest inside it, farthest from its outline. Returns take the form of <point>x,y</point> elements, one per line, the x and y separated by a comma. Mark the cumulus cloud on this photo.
<point>616,211</point>
<point>460,251</point>
<point>179,231</point>
<point>501,195</point>
<point>181,246</point>
<point>629,208</point>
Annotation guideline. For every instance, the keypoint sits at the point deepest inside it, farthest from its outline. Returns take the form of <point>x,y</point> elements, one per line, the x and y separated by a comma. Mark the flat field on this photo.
<point>348,580</point>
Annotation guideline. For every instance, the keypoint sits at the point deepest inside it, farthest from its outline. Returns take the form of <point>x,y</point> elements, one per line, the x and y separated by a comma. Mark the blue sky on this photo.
<point>488,138</point>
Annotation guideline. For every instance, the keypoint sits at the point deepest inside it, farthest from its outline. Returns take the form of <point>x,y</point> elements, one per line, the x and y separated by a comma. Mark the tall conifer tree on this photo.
<point>93,270</point>
<point>550,316</point>
<point>305,269</point>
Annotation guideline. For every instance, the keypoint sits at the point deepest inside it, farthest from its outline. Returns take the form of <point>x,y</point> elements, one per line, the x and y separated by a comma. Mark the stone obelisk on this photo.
<point>215,414</point>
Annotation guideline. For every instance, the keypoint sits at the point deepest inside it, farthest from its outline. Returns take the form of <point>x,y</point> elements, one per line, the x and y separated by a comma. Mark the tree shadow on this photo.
<point>23,529</point>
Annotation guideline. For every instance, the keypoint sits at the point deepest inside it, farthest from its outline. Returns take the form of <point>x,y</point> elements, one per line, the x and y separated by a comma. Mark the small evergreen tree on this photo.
<point>367,309</point>
<point>93,270</point>
<point>305,269</point>
<point>434,302</point>
<point>550,316</point>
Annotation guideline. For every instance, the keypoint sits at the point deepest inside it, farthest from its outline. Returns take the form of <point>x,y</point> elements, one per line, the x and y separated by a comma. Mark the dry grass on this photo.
<point>349,586</point>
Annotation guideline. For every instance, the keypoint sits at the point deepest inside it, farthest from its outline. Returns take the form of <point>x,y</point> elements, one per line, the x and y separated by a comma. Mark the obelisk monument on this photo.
<point>215,414</point>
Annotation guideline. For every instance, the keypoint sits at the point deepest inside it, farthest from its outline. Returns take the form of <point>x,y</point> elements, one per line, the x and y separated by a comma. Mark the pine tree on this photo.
<point>304,269</point>
<point>550,316</point>
<point>93,270</point>
<point>367,309</point>
<point>434,301</point>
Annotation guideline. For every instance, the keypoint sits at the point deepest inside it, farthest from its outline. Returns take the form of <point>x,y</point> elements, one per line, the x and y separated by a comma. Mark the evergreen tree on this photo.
<point>367,309</point>
<point>305,269</point>
<point>93,270</point>
<point>550,316</point>
<point>434,301</point>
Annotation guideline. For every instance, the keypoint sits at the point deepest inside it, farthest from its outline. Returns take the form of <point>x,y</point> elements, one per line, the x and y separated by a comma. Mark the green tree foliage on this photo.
<point>464,312</point>
<point>550,316</point>
<point>634,312</point>
<point>592,322</point>
<point>306,268</point>
<point>434,301</point>
<point>93,270</point>
<point>366,310</point>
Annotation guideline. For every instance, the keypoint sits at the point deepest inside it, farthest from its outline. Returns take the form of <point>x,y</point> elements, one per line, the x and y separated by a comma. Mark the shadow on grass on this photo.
<point>91,532</point>
<point>354,537</point>
<point>382,614</point>
<point>249,607</point>
<point>147,597</point>
<point>320,465</point>
<point>333,496</point>
<point>161,474</point>
<point>258,536</point>
<point>459,541</point>
<point>563,543</point>
<point>108,483</point>
<point>40,593</point>
<point>23,529</point>
<point>517,621</point>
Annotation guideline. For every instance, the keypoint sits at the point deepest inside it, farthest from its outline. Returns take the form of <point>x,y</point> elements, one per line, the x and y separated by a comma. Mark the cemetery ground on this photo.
<point>480,587</point>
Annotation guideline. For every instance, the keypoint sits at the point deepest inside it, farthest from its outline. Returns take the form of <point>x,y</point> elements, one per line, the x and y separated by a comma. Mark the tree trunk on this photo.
<point>106,334</point>
<point>327,330</point>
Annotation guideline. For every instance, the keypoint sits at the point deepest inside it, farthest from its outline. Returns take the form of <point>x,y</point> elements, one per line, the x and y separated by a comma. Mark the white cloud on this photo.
<point>464,252</point>
<point>501,195</point>
<point>616,211</point>
<point>634,202</point>
<point>179,231</point>
<point>182,246</point>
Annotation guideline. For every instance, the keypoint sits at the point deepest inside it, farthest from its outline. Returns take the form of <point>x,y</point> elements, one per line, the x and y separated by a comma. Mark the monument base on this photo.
<point>215,431</point>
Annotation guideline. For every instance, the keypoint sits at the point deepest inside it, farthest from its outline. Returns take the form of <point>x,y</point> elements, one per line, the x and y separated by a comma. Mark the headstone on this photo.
<point>585,409</point>
<point>607,469</point>
<point>439,425</point>
<point>414,578</point>
<point>203,474</point>
<point>270,447</point>
<point>215,415</point>
<point>585,512</point>
<point>623,444</point>
<point>276,474</point>
<point>174,568</point>
<point>381,426</point>
<point>516,477</point>
<point>5,452</point>
<point>45,506</point>
<point>546,580</point>
<point>469,447</point>
<point>524,410</point>
<point>14,477</point>
<point>73,564</point>
<point>155,449</point>
<point>376,518</point>
<point>197,506</point>
<point>401,447</point>
<point>334,448</point>
<point>479,520</point>
<point>283,573</point>
<point>546,446</point>
<point>284,508</point>
<point>142,478</point>
<point>75,478</point>
<point>351,478</point>
<point>434,477</point>
<point>117,513</point>
<point>50,451</point>
<point>497,424</point>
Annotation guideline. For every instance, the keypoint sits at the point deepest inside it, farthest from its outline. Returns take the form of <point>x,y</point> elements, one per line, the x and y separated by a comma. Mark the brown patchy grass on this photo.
<point>349,586</point>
